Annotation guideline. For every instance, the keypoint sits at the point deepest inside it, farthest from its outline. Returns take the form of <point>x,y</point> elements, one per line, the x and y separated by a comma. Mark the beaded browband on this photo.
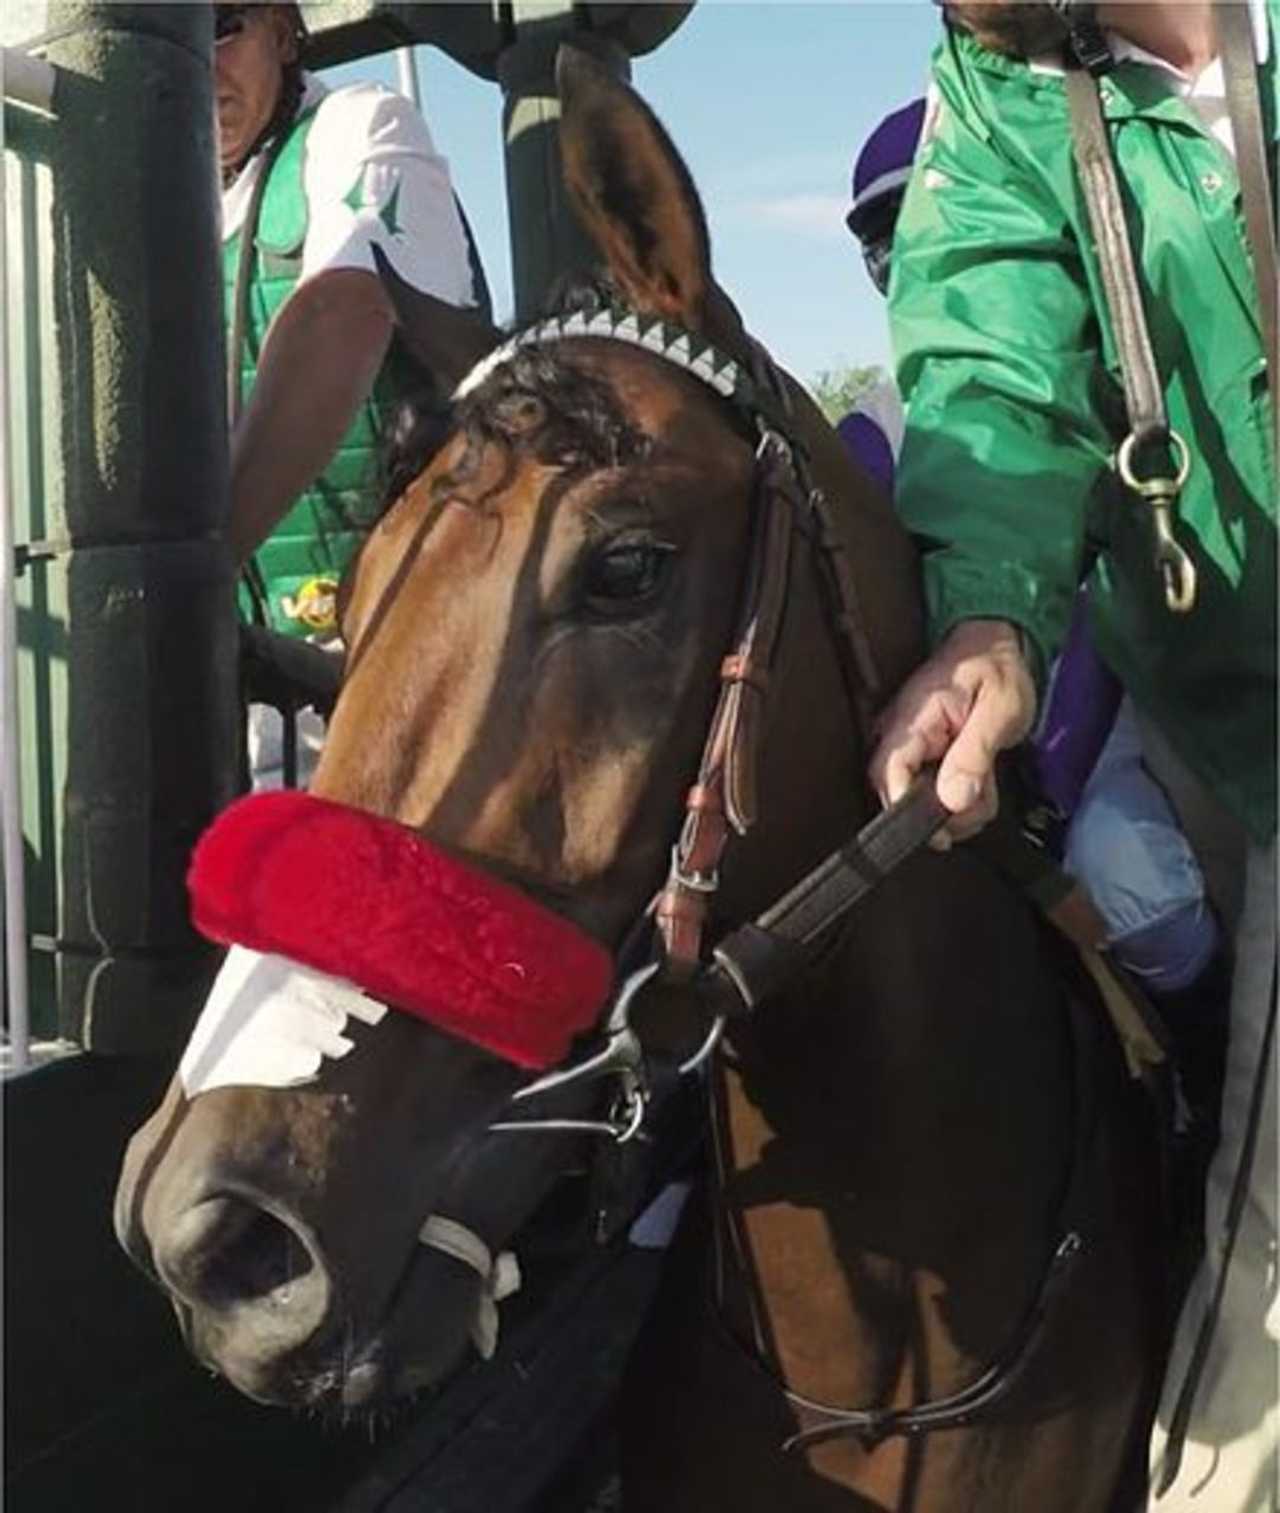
<point>673,343</point>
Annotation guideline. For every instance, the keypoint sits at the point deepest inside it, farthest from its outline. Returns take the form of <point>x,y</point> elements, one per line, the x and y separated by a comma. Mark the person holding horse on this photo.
<point>1009,362</point>
<point>327,194</point>
<point>1091,798</point>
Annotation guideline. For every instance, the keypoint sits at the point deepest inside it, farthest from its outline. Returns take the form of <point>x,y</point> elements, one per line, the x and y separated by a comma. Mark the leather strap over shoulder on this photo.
<point>1149,435</point>
<point>1143,392</point>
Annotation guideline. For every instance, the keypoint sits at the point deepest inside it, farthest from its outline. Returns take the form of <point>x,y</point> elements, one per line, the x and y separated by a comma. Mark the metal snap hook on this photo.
<point>1160,492</point>
<point>704,1051</point>
<point>696,882</point>
<point>1174,565</point>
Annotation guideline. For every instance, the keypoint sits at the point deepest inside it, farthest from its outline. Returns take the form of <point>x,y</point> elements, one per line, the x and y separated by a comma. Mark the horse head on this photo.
<point>537,633</point>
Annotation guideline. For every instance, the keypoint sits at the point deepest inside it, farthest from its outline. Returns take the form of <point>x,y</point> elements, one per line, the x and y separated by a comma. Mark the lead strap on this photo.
<point>1149,430</point>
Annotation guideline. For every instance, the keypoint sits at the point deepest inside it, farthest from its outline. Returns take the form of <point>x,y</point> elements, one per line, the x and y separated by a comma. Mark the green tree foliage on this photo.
<point>836,389</point>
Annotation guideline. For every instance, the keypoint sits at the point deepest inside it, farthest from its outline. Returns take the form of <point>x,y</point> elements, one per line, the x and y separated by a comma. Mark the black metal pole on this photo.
<point>136,518</point>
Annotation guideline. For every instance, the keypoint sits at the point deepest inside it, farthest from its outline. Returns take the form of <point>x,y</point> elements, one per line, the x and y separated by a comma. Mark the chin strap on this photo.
<point>499,1275</point>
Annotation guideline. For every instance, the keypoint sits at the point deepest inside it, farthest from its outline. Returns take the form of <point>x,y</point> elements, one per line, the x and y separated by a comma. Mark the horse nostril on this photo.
<point>227,1251</point>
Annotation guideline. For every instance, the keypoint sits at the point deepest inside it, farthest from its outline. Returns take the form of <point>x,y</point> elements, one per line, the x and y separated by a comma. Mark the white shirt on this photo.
<point>372,178</point>
<point>1206,93</point>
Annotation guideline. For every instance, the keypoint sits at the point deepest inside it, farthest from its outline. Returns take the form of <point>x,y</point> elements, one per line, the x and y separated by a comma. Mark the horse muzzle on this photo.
<point>255,1297</point>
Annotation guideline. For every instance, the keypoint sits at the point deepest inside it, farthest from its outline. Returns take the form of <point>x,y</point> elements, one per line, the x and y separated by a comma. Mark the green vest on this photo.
<point>302,559</point>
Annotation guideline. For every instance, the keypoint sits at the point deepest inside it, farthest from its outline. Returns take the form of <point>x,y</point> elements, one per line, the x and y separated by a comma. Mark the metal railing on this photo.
<point>29,83</point>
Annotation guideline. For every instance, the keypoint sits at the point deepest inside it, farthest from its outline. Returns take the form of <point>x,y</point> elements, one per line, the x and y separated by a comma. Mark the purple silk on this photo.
<point>867,444</point>
<point>1084,695</point>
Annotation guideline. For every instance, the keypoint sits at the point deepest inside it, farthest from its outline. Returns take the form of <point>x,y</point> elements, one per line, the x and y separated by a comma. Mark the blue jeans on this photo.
<point>1125,845</point>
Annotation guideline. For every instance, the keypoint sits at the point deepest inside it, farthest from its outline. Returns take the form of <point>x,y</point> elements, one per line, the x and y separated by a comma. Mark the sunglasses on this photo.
<point>229,21</point>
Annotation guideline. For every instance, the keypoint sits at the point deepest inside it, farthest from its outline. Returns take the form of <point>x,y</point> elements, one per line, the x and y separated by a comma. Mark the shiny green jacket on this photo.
<point>1008,366</point>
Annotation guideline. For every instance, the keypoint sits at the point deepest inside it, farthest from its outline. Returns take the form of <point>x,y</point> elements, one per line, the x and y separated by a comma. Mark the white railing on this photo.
<point>28,82</point>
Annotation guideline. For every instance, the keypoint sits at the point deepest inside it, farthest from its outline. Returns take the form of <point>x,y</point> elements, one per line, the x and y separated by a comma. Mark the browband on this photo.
<point>673,343</point>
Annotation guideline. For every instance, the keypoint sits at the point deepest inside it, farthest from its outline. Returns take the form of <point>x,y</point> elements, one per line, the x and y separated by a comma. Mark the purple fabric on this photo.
<point>1084,695</point>
<point>886,155</point>
<point>867,444</point>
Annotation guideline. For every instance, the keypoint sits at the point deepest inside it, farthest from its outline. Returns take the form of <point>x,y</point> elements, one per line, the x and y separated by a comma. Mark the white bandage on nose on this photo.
<point>270,1023</point>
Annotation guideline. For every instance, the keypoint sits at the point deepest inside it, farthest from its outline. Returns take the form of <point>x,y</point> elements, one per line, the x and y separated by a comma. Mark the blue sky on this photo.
<point>768,102</point>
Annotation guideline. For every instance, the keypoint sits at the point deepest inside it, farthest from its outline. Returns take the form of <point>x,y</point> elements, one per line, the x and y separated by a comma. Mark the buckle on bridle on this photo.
<point>773,446</point>
<point>696,882</point>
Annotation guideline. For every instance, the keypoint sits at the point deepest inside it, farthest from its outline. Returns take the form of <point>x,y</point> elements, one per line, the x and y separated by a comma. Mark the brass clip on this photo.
<point>1172,562</point>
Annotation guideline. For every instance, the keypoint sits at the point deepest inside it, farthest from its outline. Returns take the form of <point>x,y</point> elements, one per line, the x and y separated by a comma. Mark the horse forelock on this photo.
<point>543,405</point>
<point>531,401</point>
<point>531,397</point>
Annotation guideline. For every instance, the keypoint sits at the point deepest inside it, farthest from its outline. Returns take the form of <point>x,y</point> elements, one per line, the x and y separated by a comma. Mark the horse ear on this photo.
<point>448,340</point>
<point>633,193</point>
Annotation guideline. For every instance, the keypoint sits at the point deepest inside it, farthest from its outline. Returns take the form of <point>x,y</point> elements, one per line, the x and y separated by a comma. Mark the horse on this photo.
<point>921,1272</point>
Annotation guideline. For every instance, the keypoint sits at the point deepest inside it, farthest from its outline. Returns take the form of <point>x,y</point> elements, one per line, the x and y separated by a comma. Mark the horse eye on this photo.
<point>624,573</point>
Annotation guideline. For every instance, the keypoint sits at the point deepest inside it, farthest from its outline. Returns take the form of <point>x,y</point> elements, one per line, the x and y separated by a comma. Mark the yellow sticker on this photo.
<point>315,604</point>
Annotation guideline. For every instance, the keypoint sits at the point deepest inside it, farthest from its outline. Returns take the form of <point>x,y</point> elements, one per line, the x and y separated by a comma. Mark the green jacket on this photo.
<point>1014,406</point>
<point>298,566</point>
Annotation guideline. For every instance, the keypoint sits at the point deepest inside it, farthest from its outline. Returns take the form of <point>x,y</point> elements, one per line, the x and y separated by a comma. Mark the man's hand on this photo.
<point>973,698</point>
<point>319,360</point>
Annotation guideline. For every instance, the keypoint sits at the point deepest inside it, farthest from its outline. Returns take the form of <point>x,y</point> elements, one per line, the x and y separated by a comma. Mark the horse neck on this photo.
<point>913,1022</point>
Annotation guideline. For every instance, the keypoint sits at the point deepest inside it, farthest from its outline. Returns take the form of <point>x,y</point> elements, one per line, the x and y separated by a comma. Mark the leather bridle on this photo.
<point>724,796</point>
<point>761,957</point>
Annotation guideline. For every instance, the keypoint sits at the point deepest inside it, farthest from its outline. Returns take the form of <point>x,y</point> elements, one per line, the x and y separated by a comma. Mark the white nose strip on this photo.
<point>270,1023</point>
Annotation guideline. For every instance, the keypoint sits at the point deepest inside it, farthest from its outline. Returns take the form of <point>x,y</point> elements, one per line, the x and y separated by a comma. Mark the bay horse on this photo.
<point>922,1274</point>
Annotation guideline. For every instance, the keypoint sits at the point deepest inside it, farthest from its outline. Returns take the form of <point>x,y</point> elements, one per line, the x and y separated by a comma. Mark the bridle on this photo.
<point>723,798</point>
<point>760,957</point>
